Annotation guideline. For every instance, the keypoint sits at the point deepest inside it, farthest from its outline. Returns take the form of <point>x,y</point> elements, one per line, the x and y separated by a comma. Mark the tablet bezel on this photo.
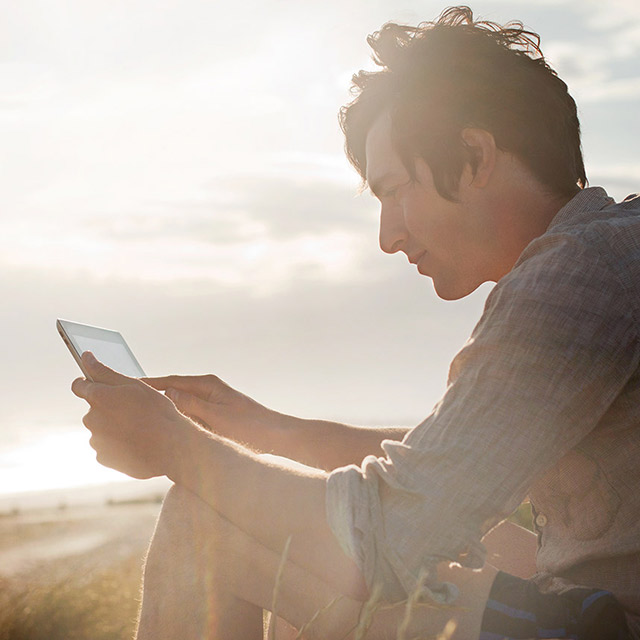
<point>69,329</point>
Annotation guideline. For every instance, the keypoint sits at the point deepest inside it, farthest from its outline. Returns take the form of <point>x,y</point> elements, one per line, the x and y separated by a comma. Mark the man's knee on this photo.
<point>185,515</point>
<point>179,502</point>
<point>192,532</point>
<point>174,541</point>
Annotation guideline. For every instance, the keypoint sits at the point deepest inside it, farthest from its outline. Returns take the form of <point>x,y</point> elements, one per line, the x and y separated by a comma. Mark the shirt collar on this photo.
<point>589,199</point>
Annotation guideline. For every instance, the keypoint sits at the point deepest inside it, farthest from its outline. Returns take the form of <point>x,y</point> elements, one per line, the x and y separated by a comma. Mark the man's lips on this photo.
<point>415,258</point>
<point>423,269</point>
<point>419,260</point>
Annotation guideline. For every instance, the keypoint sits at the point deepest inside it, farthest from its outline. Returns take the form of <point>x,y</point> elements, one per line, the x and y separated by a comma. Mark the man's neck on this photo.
<point>524,211</point>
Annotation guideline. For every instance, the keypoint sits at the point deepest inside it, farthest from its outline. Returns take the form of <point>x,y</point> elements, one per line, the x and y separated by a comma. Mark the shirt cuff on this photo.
<point>354,515</point>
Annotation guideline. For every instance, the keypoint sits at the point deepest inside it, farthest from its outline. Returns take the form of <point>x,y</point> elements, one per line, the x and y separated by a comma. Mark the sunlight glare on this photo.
<point>54,462</point>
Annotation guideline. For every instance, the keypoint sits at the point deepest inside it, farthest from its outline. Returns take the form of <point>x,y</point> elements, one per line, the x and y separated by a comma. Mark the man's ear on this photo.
<point>482,148</point>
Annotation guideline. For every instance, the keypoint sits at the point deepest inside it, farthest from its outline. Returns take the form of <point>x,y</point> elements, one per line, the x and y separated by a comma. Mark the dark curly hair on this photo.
<point>442,76</point>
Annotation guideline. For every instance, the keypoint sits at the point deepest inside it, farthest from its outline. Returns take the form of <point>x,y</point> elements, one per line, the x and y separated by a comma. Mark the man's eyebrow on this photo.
<point>376,186</point>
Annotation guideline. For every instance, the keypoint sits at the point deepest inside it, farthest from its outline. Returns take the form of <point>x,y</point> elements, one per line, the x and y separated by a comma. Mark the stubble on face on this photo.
<point>415,219</point>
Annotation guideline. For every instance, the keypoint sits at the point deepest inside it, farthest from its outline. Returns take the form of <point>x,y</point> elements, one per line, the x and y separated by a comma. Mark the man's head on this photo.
<point>441,77</point>
<point>463,131</point>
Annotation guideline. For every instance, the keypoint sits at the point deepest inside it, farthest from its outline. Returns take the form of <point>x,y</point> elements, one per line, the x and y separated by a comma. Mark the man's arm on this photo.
<point>225,411</point>
<point>138,431</point>
<point>268,500</point>
<point>327,445</point>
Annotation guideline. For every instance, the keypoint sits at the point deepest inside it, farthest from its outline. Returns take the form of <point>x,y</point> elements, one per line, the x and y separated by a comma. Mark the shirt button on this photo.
<point>541,520</point>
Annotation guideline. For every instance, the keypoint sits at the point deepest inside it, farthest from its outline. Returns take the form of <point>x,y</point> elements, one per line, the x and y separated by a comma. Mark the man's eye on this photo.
<point>392,192</point>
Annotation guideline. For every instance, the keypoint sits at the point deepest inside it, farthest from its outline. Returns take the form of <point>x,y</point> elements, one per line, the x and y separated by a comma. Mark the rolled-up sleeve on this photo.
<point>556,343</point>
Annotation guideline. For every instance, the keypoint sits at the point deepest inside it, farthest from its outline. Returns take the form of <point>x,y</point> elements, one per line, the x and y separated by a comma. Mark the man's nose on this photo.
<point>393,232</point>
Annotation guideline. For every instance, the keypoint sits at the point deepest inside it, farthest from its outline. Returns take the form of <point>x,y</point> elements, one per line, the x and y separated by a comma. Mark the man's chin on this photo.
<point>453,290</point>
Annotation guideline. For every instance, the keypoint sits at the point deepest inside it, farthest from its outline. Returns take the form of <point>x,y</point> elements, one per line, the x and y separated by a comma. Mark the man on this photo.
<point>471,143</point>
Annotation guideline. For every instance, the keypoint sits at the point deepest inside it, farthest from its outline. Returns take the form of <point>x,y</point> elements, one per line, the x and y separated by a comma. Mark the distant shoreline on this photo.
<point>94,494</point>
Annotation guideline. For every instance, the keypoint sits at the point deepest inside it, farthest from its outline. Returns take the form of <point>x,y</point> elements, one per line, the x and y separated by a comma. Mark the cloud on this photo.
<point>295,206</point>
<point>612,90</point>
<point>620,180</point>
<point>621,171</point>
<point>599,71</point>
<point>81,38</point>
<point>251,206</point>
<point>253,231</point>
<point>615,15</point>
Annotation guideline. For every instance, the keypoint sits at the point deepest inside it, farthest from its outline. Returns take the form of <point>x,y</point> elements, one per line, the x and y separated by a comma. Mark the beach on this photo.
<point>74,571</point>
<point>63,536</point>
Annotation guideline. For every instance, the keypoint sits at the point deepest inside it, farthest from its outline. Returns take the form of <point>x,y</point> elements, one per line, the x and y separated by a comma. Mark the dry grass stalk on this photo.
<point>315,616</point>
<point>374,605</point>
<point>367,612</point>
<point>448,630</point>
<point>276,588</point>
<point>413,602</point>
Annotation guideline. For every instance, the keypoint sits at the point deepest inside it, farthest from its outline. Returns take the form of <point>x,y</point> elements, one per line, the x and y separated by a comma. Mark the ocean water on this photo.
<point>58,468</point>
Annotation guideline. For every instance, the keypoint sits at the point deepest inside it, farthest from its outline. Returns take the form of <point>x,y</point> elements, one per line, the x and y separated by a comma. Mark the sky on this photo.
<point>175,171</point>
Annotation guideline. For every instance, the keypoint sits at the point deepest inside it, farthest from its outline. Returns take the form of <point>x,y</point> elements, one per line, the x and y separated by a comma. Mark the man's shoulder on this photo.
<point>593,228</point>
<point>592,213</point>
<point>590,258</point>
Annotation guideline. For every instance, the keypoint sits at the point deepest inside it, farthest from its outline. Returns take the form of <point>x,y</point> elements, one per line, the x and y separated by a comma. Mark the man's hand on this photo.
<point>213,403</point>
<point>134,428</point>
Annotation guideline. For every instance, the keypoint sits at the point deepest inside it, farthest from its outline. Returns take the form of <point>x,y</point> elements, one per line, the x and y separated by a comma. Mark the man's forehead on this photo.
<point>382,159</point>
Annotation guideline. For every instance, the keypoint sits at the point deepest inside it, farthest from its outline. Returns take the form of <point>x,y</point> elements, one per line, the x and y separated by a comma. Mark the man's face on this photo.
<point>447,241</point>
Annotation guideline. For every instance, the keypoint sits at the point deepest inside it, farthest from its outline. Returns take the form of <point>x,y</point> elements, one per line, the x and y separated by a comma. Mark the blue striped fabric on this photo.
<point>592,598</point>
<point>510,611</point>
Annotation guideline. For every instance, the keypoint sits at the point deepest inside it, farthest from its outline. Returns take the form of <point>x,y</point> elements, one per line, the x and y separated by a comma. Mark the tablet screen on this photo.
<point>106,345</point>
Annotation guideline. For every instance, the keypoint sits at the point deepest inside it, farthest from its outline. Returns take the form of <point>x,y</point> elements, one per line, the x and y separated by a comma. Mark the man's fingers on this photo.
<point>101,373</point>
<point>80,387</point>
<point>161,383</point>
<point>92,392</point>
<point>93,421</point>
<point>111,453</point>
<point>202,386</point>
<point>190,405</point>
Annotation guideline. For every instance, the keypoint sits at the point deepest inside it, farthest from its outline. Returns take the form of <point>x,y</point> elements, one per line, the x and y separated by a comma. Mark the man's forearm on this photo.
<point>268,501</point>
<point>324,444</point>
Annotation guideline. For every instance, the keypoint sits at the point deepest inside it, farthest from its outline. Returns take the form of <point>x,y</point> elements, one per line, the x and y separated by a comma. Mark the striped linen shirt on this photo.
<point>543,401</point>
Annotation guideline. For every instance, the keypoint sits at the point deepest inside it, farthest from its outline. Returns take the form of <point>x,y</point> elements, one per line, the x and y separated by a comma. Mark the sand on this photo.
<point>56,541</point>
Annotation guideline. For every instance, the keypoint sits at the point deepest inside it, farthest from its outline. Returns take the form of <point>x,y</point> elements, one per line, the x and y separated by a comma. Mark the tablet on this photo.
<point>106,345</point>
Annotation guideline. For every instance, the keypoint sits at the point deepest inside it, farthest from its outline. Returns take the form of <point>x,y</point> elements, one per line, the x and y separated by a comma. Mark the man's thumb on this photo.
<point>100,372</point>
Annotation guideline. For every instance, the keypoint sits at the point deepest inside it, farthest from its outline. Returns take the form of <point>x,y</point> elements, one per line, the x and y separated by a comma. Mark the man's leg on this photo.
<point>205,578</point>
<point>184,589</point>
